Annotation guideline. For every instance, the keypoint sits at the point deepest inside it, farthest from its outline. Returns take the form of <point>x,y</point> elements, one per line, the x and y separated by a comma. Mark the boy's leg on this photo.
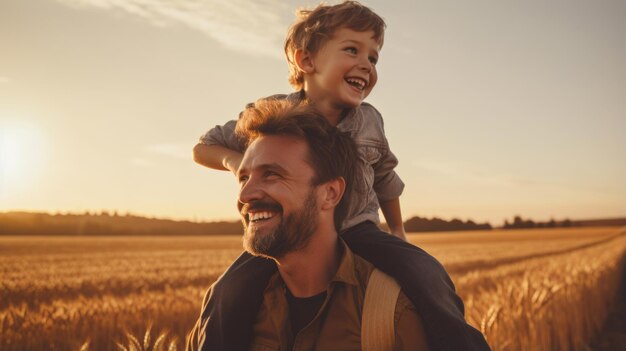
<point>425,282</point>
<point>234,300</point>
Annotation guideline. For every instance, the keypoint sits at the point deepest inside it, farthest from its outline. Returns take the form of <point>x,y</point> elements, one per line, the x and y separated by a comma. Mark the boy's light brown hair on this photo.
<point>313,28</point>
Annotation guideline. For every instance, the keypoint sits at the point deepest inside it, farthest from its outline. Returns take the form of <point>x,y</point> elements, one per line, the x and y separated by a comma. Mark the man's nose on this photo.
<point>250,190</point>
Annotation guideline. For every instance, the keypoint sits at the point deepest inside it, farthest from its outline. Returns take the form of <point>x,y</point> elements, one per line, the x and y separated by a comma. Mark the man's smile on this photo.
<point>260,216</point>
<point>260,211</point>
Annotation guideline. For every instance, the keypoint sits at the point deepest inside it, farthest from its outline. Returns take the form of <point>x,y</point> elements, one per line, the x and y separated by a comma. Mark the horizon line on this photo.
<point>195,220</point>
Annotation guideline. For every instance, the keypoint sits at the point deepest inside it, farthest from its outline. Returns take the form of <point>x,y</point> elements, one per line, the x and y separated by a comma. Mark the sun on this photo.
<point>9,153</point>
<point>20,158</point>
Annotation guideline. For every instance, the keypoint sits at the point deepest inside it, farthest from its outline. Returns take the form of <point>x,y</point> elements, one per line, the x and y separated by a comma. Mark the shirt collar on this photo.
<point>347,123</point>
<point>346,273</point>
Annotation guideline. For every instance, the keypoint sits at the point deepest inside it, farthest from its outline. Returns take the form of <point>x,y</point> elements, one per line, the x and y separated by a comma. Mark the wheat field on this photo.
<point>539,289</point>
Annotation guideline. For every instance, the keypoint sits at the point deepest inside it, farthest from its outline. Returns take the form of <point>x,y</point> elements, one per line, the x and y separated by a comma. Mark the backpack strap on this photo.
<point>379,308</point>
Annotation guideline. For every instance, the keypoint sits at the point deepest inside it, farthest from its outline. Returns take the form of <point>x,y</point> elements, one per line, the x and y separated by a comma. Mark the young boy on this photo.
<point>332,53</point>
<point>336,72</point>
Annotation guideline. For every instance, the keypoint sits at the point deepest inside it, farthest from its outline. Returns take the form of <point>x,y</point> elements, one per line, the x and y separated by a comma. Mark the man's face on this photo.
<point>344,69</point>
<point>276,199</point>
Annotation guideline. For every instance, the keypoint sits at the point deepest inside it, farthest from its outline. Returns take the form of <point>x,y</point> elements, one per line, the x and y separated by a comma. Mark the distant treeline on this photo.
<point>519,223</point>
<point>418,224</point>
<point>104,223</point>
<point>25,223</point>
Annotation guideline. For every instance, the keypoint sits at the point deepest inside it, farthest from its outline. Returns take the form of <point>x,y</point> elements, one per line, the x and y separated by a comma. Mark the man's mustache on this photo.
<point>260,206</point>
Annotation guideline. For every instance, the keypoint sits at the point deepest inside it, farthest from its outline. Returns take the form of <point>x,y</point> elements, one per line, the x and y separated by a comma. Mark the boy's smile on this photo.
<point>342,73</point>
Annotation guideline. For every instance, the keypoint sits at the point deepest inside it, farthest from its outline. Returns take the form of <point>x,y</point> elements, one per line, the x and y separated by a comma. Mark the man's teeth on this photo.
<point>260,215</point>
<point>357,82</point>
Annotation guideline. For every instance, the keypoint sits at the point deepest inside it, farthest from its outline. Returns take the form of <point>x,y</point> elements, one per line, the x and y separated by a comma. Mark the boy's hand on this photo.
<point>232,160</point>
<point>399,232</point>
<point>393,216</point>
<point>217,157</point>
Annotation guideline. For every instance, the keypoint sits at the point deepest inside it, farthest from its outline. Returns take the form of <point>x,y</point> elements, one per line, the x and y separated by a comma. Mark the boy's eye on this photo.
<point>373,60</point>
<point>242,179</point>
<point>351,50</point>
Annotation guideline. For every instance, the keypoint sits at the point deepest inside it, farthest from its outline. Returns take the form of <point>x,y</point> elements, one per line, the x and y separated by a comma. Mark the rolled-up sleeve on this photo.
<point>223,136</point>
<point>387,183</point>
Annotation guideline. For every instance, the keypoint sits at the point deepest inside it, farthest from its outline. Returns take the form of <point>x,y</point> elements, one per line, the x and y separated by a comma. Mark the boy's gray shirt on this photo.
<point>379,182</point>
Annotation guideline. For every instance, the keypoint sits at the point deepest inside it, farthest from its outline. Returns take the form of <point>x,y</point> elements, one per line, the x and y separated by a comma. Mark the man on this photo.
<point>292,178</point>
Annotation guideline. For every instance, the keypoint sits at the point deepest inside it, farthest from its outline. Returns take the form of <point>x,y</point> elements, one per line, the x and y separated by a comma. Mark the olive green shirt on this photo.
<point>337,325</point>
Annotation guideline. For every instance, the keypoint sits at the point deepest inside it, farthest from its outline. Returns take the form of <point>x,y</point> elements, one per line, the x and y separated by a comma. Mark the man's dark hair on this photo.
<point>332,153</point>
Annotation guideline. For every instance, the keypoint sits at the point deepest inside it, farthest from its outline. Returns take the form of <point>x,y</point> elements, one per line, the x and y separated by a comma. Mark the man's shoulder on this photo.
<point>363,269</point>
<point>403,305</point>
<point>409,326</point>
<point>407,323</point>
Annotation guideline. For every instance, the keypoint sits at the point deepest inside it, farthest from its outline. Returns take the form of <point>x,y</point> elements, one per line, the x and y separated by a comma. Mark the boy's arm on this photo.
<point>387,184</point>
<point>393,216</point>
<point>219,148</point>
<point>217,157</point>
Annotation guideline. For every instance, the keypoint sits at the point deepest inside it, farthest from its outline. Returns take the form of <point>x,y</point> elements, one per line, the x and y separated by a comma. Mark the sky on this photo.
<point>494,108</point>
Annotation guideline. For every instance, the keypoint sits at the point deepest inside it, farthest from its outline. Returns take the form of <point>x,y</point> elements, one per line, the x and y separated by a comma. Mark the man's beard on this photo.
<point>292,233</point>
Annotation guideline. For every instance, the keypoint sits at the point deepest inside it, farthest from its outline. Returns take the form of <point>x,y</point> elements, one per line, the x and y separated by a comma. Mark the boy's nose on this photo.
<point>365,64</point>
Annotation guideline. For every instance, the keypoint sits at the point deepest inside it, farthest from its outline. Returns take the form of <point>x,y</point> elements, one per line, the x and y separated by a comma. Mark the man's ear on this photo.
<point>304,61</point>
<point>333,192</point>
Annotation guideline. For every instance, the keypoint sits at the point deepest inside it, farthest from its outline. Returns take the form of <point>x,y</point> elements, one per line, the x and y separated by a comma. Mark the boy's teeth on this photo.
<point>359,83</point>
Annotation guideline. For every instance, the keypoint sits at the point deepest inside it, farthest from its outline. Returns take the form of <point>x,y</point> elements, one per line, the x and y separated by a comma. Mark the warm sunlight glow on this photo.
<point>21,156</point>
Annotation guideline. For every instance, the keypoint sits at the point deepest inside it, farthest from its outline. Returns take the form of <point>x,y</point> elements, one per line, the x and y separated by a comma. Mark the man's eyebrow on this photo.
<point>273,167</point>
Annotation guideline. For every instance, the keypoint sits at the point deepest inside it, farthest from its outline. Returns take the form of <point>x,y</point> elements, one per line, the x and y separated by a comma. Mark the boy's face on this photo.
<point>343,69</point>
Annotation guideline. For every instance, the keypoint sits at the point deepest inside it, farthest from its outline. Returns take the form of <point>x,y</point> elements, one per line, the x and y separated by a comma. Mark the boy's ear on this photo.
<point>304,61</point>
<point>333,192</point>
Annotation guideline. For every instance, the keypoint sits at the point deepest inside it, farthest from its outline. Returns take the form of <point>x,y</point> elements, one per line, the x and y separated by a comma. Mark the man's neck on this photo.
<point>307,272</point>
